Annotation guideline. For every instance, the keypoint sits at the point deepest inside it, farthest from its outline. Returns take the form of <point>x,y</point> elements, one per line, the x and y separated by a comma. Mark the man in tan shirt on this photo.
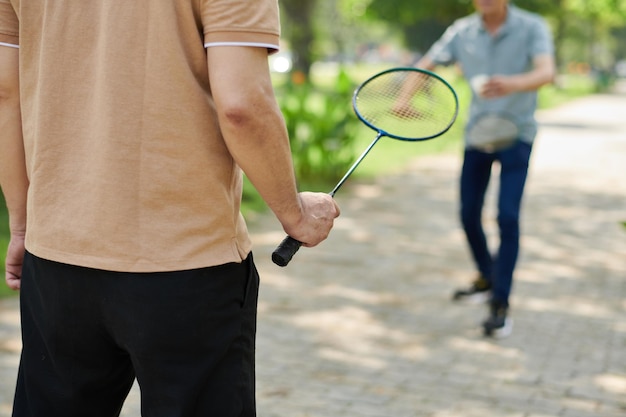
<point>124,127</point>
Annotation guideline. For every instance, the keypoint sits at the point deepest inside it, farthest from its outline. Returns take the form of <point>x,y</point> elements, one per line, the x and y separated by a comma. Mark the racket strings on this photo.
<point>407,104</point>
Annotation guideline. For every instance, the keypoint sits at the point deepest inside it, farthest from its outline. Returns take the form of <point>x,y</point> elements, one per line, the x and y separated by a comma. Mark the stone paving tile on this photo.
<point>363,326</point>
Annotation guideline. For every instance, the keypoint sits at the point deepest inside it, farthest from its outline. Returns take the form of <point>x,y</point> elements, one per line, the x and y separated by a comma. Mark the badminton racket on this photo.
<point>409,104</point>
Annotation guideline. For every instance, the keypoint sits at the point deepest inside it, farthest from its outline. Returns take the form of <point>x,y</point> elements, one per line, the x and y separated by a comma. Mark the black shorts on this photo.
<point>188,337</point>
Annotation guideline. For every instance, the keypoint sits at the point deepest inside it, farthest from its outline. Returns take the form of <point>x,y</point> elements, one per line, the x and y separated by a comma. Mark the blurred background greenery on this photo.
<point>330,46</point>
<point>589,34</point>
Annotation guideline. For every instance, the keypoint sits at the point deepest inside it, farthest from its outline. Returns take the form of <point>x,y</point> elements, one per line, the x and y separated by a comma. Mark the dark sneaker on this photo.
<point>498,324</point>
<point>478,292</point>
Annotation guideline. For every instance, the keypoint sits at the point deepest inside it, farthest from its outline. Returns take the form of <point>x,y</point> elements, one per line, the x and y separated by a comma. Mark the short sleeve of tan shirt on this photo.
<point>241,22</point>
<point>224,22</point>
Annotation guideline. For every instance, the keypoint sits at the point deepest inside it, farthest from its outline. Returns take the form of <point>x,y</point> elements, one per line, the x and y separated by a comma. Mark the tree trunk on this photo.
<point>300,32</point>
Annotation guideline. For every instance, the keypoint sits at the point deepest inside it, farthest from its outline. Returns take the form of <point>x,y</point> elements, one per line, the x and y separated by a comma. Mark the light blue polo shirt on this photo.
<point>523,36</point>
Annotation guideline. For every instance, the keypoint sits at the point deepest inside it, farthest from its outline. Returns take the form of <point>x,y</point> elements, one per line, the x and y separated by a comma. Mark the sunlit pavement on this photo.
<point>363,325</point>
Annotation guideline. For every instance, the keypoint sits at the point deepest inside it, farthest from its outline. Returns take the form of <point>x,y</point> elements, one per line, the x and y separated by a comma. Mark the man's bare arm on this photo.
<point>255,133</point>
<point>543,73</point>
<point>13,179</point>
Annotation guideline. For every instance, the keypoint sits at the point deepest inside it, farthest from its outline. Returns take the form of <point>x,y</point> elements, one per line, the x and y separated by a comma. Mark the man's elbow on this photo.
<point>247,114</point>
<point>237,116</point>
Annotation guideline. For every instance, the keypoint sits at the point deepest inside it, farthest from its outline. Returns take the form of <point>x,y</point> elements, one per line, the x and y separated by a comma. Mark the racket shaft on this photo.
<point>355,164</point>
<point>285,251</point>
<point>289,246</point>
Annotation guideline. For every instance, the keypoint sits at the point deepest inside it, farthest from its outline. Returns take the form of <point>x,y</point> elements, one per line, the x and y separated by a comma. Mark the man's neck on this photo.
<point>494,21</point>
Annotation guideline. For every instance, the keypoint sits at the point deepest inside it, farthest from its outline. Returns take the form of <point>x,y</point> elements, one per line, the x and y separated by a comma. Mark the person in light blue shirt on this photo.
<point>506,54</point>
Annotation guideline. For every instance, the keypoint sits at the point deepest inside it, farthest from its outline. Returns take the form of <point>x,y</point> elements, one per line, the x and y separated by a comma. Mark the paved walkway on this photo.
<point>363,326</point>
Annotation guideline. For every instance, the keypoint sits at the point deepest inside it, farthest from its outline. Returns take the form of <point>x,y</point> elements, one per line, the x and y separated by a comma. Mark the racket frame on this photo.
<point>382,132</point>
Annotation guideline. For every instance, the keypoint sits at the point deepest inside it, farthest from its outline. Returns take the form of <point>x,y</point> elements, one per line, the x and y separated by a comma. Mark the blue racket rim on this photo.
<point>382,132</point>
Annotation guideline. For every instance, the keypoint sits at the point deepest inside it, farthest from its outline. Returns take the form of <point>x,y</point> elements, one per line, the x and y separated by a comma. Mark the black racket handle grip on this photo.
<point>285,251</point>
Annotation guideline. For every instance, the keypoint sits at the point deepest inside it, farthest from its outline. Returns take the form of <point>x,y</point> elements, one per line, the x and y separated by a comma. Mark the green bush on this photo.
<point>321,127</point>
<point>4,242</point>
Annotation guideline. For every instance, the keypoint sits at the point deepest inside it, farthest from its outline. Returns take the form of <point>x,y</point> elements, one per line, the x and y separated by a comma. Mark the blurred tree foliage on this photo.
<point>590,31</point>
<point>321,127</point>
<point>300,31</point>
<point>328,29</point>
<point>582,28</point>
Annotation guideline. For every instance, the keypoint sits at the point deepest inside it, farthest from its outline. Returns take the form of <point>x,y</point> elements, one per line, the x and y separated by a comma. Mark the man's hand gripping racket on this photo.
<point>408,104</point>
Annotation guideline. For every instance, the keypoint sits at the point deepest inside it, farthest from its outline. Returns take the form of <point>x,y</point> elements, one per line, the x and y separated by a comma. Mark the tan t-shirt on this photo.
<point>128,169</point>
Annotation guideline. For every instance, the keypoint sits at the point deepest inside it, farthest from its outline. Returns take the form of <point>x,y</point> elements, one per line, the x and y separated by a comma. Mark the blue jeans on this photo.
<point>475,175</point>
